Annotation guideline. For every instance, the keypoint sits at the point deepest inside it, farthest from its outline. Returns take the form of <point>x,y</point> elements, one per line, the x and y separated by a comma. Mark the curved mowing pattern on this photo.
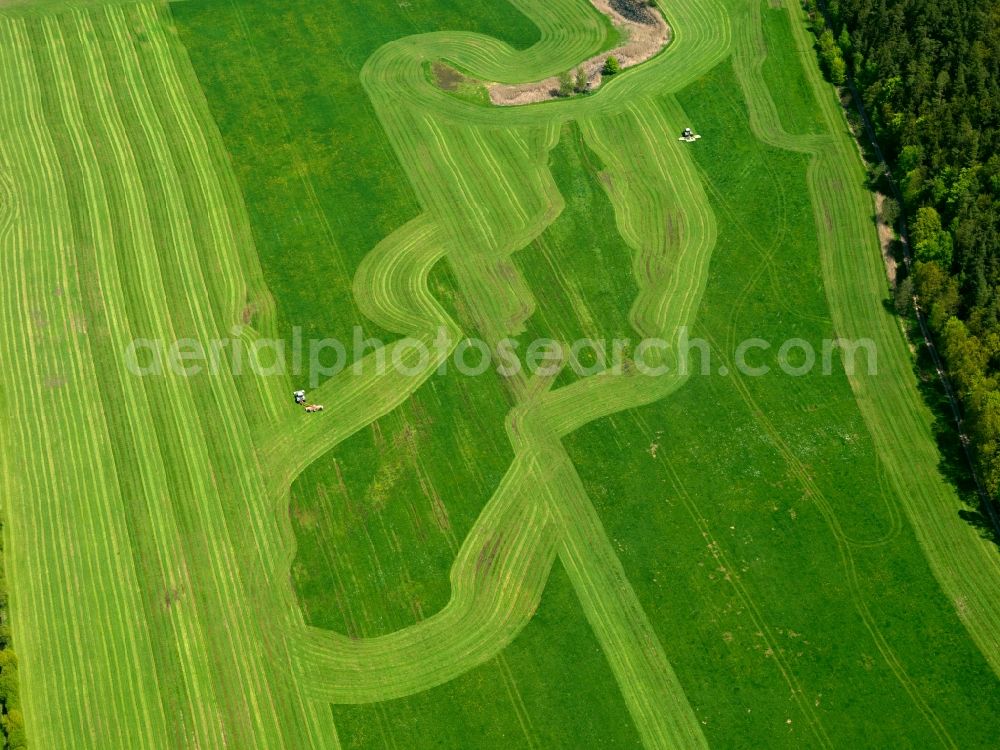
<point>150,544</point>
<point>965,564</point>
<point>487,193</point>
<point>149,532</point>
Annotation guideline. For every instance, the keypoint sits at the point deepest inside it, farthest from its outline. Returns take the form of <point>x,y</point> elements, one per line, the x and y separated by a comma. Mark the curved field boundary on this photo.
<point>487,191</point>
<point>965,565</point>
<point>394,75</point>
<point>642,40</point>
<point>673,276</point>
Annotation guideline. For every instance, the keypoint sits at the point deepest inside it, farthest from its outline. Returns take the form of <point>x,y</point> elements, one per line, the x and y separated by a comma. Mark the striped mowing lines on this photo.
<point>67,543</point>
<point>965,564</point>
<point>150,545</point>
<point>142,541</point>
<point>163,621</point>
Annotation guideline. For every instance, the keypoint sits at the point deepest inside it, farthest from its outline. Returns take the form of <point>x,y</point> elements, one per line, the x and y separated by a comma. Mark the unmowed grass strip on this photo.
<point>782,68</point>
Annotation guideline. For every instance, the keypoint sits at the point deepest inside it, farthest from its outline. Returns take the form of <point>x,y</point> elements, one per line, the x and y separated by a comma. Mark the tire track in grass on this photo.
<point>844,548</point>
<point>965,565</point>
<point>732,576</point>
<point>480,184</point>
<point>824,162</point>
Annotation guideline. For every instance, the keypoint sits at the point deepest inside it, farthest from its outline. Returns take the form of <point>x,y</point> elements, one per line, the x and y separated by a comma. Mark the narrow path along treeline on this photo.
<point>927,73</point>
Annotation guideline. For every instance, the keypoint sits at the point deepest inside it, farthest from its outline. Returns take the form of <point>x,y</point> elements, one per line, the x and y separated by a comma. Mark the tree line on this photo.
<point>11,720</point>
<point>928,72</point>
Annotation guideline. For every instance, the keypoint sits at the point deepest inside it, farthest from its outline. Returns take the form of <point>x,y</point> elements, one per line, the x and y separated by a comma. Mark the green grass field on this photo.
<point>611,560</point>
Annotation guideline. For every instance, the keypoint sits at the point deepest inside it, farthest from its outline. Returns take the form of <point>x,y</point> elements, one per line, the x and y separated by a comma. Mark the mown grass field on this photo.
<point>766,622</point>
<point>436,560</point>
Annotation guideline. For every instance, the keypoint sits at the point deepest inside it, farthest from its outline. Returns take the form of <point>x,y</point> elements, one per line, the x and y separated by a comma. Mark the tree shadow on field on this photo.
<point>983,524</point>
<point>954,464</point>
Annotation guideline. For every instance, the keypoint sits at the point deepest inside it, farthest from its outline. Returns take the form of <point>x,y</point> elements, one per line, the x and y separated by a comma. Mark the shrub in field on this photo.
<point>611,66</point>
<point>565,84</point>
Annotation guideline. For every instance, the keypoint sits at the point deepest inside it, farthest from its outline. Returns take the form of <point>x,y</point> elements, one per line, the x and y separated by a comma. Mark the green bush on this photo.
<point>565,84</point>
<point>831,58</point>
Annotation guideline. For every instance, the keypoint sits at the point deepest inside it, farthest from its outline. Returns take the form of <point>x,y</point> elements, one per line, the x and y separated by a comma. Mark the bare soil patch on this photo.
<point>447,77</point>
<point>886,235</point>
<point>645,30</point>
